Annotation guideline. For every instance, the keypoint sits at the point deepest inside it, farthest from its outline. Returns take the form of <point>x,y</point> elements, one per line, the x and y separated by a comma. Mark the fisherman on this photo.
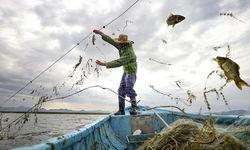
<point>128,61</point>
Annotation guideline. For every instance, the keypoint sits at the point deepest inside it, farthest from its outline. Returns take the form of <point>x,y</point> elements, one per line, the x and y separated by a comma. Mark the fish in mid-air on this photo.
<point>164,41</point>
<point>231,71</point>
<point>93,39</point>
<point>174,19</point>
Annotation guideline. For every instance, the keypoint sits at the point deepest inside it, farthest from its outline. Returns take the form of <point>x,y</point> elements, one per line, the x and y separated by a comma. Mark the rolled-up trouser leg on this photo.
<point>130,80</point>
<point>122,93</point>
<point>130,92</point>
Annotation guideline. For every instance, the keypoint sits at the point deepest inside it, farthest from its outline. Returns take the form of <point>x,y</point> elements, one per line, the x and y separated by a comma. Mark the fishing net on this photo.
<point>189,135</point>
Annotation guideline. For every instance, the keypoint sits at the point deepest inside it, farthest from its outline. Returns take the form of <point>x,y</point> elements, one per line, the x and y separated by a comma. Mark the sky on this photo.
<point>34,34</point>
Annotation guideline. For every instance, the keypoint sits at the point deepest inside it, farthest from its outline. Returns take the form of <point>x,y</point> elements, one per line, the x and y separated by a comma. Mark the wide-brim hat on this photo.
<point>123,38</point>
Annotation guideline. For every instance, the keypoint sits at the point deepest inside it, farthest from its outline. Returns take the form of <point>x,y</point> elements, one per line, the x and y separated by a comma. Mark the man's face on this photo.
<point>123,44</point>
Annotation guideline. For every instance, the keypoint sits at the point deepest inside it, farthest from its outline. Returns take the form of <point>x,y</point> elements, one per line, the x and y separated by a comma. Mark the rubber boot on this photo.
<point>121,111</point>
<point>133,107</point>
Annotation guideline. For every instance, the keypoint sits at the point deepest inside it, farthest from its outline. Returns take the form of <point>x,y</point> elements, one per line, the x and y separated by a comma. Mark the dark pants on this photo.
<point>126,89</point>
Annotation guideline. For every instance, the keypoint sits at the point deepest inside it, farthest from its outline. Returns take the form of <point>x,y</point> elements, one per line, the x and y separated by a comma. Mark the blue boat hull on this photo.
<point>116,132</point>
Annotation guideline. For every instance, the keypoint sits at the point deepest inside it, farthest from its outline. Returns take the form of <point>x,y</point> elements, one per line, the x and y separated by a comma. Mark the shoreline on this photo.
<point>58,112</point>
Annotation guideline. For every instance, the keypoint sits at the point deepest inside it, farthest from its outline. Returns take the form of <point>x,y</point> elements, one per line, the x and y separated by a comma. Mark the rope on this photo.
<point>121,14</point>
<point>88,35</point>
<point>104,88</point>
<point>163,121</point>
<point>182,110</point>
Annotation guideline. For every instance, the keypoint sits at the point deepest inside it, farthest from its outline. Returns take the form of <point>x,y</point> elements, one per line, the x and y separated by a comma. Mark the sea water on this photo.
<point>47,126</point>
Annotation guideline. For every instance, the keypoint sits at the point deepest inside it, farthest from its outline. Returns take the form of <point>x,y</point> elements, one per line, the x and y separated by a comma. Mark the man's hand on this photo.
<point>100,63</point>
<point>98,32</point>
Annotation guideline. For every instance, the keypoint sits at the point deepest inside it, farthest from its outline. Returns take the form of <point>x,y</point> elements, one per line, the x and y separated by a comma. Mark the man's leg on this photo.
<point>121,96</point>
<point>130,92</point>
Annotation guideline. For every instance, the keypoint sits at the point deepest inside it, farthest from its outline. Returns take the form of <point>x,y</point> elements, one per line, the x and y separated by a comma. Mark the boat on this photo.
<point>127,132</point>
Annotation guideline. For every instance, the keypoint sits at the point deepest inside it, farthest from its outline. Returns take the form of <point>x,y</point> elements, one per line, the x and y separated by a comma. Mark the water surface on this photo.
<point>48,126</point>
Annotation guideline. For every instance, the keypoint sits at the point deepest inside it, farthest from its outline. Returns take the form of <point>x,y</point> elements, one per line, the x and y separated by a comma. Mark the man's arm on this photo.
<point>98,32</point>
<point>100,63</point>
<point>124,60</point>
<point>106,38</point>
<point>117,63</point>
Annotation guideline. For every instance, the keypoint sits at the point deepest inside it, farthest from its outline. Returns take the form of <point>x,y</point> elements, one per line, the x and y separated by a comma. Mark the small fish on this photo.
<point>164,41</point>
<point>178,83</point>
<point>174,19</point>
<point>231,15</point>
<point>79,62</point>
<point>127,21</point>
<point>163,63</point>
<point>231,71</point>
<point>32,91</point>
<point>226,14</point>
<point>93,39</point>
<point>216,48</point>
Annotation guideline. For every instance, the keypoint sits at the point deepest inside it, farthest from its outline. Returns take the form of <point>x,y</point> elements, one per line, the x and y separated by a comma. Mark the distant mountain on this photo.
<point>17,109</point>
<point>234,112</point>
<point>59,110</point>
<point>25,109</point>
<point>247,112</point>
<point>96,111</point>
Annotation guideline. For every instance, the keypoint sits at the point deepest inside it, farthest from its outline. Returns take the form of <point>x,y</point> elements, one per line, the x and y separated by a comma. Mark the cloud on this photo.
<point>35,34</point>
